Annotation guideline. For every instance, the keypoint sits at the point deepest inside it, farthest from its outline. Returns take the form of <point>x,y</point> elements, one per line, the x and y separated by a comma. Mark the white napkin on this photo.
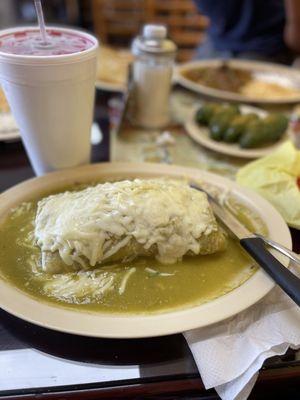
<point>229,354</point>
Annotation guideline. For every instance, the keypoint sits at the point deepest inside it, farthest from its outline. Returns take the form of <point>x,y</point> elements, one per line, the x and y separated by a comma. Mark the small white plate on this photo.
<point>268,72</point>
<point>201,135</point>
<point>8,128</point>
<point>110,86</point>
<point>10,132</point>
<point>114,325</point>
<point>112,68</point>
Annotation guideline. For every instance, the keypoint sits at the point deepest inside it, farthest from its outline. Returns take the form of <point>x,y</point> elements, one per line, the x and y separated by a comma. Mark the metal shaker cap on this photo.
<point>154,41</point>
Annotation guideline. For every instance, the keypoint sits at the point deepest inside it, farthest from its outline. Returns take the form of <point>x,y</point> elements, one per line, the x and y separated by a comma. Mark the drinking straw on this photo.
<point>41,21</point>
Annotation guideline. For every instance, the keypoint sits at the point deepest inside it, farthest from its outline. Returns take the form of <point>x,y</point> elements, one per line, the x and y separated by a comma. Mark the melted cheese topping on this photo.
<point>98,221</point>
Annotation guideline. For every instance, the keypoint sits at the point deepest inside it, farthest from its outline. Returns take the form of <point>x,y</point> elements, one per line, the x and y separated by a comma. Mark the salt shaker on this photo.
<point>152,74</point>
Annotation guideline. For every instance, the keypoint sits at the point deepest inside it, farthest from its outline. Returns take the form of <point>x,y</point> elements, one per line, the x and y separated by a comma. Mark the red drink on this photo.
<point>50,87</point>
<point>27,42</point>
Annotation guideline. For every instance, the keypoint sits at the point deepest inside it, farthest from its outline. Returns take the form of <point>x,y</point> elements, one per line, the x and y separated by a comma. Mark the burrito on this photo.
<point>119,221</point>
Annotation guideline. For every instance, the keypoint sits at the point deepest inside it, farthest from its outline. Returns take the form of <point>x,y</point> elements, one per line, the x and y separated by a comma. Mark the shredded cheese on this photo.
<point>128,274</point>
<point>154,272</point>
<point>95,223</point>
<point>80,285</point>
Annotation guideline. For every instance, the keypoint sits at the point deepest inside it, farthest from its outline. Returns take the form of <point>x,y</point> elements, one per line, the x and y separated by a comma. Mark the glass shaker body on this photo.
<point>152,80</point>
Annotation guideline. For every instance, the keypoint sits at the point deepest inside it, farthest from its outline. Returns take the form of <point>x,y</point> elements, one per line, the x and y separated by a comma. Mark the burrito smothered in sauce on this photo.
<point>115,222</point>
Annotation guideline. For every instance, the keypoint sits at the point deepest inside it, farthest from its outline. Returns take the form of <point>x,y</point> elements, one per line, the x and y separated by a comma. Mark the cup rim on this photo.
<point>58,58</point>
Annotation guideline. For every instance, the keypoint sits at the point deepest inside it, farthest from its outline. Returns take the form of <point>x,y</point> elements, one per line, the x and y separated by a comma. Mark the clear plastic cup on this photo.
<point>51,97</point>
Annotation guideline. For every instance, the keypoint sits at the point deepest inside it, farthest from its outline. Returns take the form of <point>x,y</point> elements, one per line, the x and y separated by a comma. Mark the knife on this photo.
<point>255,247</point>
<point>281,249</point>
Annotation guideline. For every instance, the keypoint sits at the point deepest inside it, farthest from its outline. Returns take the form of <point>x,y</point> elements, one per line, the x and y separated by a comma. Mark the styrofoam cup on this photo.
<point>52,99</point>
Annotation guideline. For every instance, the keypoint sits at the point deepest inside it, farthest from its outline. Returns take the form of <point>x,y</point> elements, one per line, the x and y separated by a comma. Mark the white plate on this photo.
<point>11,134</point>
<point>115,61</point>
<point>201,135</point>
<point>110,86</point>
<point>133,326</point>
<point>268,72</point>
<point>8,128</point>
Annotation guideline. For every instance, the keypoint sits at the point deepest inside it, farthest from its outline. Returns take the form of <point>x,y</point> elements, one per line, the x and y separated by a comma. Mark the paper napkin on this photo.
<point>230,354</point>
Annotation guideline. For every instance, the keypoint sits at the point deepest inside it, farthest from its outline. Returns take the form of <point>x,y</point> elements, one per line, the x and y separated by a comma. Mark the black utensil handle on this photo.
<point>281,275</point>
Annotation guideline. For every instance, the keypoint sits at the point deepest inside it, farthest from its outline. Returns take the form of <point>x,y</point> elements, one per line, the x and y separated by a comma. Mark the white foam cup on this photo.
<point>52,99</point>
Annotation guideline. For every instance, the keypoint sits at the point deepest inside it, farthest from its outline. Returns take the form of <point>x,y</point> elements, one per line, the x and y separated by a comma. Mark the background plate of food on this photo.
<point>141,227</point>
<point>237,130</point>
<point>241,80</point>
<point>112,69</point>
<point>8,127</point>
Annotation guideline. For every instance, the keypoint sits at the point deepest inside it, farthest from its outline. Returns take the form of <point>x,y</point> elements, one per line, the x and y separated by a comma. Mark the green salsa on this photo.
<point>140,286</point>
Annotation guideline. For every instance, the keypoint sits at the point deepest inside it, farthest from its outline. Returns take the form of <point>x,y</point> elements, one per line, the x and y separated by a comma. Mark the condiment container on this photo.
<point>152,75</point>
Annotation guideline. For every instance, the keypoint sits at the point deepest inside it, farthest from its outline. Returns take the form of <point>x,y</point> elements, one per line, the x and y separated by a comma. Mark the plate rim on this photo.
<point>9,135</point>
<point>231,96</point>
<point>109,86</point>
<point>14,301</point>
<point>197,134</point>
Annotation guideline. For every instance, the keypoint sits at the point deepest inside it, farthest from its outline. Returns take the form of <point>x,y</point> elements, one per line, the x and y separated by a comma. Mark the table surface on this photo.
<point>80,367</point>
